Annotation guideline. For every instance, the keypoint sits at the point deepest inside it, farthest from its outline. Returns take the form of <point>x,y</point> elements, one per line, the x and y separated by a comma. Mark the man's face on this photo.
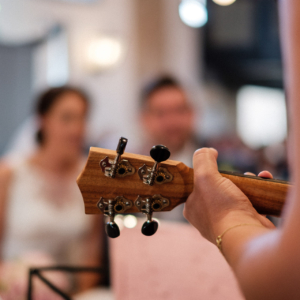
<point>168,118</point>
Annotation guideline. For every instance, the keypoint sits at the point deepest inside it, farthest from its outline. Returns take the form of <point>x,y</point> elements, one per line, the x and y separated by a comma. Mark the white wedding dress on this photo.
<point>44,213</point>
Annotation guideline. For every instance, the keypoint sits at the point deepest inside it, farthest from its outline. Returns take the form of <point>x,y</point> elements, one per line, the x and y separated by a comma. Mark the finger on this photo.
<point>265,174</point>
<point>205,161</point>
<point>249,173</point>
<point>214,152</point>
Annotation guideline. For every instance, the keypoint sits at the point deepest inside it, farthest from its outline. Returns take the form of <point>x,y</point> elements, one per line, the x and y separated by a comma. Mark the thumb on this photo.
<point>205,161</point>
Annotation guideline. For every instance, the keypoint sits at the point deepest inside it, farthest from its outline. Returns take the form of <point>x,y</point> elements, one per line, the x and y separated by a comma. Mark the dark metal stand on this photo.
<point>37,273</point>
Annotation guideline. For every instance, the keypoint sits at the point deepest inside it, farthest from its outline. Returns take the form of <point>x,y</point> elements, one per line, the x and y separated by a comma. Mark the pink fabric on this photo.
<point>175,263</point>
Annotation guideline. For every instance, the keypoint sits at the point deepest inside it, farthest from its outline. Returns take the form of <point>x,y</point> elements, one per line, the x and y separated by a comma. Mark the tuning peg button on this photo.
<point>160,153</point>
<point>121,145</point>
<point>112,229</point>
<point>149,227</point>
<point>117,167</point>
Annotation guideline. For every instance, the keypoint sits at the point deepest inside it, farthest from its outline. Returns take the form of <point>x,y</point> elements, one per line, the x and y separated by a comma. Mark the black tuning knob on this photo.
<point>112,229</point>
<point>149,227</point>
<point>120,150</point>
<point>121,145</point>
<point>160,153</point>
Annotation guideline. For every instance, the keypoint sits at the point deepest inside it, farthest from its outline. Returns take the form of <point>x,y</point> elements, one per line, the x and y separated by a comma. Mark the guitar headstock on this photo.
<point>114,182</point>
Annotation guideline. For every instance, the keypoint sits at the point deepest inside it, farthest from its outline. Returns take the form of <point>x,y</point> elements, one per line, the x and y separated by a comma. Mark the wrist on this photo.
<point>238,242</point>
<point>219,238</point>
<point>231,220</point>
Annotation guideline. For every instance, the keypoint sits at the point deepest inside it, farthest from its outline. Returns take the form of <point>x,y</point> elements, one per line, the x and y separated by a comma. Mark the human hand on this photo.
<point>216,203</point>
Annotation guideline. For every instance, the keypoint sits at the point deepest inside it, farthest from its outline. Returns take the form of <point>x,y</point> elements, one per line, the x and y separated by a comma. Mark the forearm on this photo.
<point>251,252</point>
<point>262,269</point>
<point>265,262</point>
<point>236,242</point>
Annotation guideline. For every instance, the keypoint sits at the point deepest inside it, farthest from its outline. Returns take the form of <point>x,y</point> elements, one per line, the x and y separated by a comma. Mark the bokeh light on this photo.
<point>261,116</point>
<point>193,13</point>
<point>119,220</point>
<point>130,221</point>
<point>224,2</point>
<point>104,52</point>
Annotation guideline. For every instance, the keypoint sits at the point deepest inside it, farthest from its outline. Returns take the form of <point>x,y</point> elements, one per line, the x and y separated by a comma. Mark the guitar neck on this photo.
<point>266,195</point>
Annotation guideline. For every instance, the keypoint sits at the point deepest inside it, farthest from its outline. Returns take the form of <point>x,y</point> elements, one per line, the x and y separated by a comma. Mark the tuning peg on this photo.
<point>121,145</point>
<point>109,207</point>
<point>120,150</point>
<point>160,153</point>
<point>117,167</point>
<point>150,226</point>
<point>148,206</point>
<point>111,228</point>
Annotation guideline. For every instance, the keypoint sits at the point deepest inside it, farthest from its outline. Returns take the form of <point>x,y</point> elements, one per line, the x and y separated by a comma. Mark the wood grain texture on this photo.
<point>267,196</point>
<point>93,184</point>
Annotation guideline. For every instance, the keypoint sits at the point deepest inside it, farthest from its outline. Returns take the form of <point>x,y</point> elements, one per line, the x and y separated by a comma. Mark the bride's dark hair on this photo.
<point>48,98</point>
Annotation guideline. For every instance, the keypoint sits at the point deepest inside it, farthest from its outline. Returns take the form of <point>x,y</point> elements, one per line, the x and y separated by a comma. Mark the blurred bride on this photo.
<point>42,218</point>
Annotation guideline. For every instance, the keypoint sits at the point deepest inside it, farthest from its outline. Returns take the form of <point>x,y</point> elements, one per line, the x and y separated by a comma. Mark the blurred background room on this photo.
<point>220,58</point>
